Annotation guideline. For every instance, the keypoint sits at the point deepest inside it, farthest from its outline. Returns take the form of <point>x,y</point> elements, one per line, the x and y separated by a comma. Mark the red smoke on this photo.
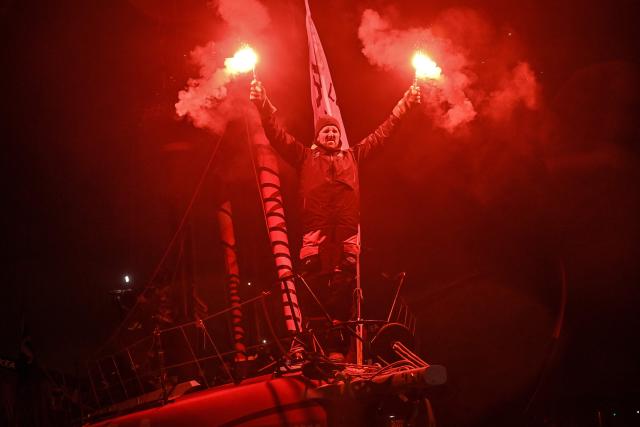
<point>392,49</point>
<point>519,87</point>
<point>205,99</point>
<point>454,40</point>
<point>243,16</point>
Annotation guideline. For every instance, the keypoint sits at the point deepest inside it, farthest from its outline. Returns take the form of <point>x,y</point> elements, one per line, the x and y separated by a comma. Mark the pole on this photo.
<point>228,238</point>
<point>359,298</point>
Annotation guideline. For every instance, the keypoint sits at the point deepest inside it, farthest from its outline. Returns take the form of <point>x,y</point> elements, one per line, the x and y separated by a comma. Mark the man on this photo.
<point>330,195</point>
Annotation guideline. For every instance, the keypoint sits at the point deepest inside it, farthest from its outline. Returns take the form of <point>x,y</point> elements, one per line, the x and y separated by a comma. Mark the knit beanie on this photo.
<point>326,120</point>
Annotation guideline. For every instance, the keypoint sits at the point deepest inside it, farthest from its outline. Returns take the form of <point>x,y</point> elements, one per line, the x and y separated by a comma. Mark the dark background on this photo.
<point>98,170</point>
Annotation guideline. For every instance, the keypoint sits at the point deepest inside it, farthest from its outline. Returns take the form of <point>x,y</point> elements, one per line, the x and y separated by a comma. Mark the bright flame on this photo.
<point>425,67</point>
<point>243,61</point>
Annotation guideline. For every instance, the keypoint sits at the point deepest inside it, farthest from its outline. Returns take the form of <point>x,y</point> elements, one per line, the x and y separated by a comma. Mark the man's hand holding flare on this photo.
<point>410,98</point>
<point>414,95</point>
<point>257,94</point>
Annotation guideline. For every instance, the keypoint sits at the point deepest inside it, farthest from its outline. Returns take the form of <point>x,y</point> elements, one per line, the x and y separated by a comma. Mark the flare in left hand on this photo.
<point>242,61</point>
<point>425,67</point>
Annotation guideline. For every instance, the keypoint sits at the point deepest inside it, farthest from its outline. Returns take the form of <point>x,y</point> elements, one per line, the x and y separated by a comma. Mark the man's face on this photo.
<point>329,137</point>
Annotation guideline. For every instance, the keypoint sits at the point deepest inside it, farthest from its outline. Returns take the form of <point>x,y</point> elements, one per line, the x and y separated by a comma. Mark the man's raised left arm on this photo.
<point>385,131</point>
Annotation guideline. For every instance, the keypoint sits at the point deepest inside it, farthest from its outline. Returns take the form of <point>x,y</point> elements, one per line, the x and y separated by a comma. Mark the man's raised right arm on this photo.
<point>286,145</point>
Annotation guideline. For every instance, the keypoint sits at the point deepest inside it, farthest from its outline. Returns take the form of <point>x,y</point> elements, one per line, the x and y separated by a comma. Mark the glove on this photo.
<point>410,98</point>
<point>258,96</point>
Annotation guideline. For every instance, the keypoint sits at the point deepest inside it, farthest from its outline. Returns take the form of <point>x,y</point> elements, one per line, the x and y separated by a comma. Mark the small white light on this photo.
<point>392,416</point>
<point>127,279</point>
<point>248,283</point>
<point>264,341</point>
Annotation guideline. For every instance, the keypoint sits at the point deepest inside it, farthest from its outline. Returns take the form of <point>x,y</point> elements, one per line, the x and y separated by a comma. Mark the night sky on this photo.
<point>98,170</point>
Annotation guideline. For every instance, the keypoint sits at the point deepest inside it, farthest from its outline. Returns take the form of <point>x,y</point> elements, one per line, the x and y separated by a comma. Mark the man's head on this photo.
<point>328,133</point>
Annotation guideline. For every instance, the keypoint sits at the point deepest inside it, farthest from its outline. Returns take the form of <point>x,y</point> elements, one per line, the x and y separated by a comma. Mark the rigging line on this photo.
<point>195,322</point>
<point>255,172</point>
<point>174,276</point>
<point>272,330</point>
<point>63,388</point>
<point>172,242</point>
<point>555,337</point>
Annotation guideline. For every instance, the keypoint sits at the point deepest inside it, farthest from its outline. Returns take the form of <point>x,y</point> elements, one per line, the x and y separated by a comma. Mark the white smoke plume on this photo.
<point>205,99</point>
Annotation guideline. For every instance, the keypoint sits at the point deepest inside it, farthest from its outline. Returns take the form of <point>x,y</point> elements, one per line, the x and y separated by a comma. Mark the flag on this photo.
<point>323,94</point>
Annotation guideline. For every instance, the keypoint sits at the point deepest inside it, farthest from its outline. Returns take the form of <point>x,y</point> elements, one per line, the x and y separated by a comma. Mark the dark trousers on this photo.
<point>330,225</point>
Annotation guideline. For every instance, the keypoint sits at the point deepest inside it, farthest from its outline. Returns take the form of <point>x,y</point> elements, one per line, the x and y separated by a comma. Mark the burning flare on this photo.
<point>243,61</point>
<point>425,67</point>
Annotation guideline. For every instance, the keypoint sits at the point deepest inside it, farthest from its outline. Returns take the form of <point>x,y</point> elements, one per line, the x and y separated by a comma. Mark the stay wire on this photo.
<point>172,242</point>
<point>555,338</point>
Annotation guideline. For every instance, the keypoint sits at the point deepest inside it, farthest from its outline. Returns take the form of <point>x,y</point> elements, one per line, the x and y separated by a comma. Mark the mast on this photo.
<point>228,239</point>
<point>268,178</point>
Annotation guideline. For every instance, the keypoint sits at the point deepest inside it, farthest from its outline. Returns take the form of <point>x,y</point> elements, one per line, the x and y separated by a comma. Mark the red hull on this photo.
<point>286,401</point>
